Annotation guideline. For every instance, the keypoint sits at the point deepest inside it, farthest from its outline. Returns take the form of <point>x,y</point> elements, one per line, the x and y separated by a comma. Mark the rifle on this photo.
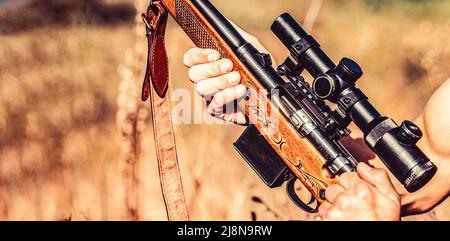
<point>306,145</point>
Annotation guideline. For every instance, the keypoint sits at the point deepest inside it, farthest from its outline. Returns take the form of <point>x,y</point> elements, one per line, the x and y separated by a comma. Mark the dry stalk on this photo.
<point>312,14</point>
<point>130,118</point>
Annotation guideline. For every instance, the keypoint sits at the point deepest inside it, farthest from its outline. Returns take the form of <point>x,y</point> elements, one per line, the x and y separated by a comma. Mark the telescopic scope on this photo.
<point>394,144</point>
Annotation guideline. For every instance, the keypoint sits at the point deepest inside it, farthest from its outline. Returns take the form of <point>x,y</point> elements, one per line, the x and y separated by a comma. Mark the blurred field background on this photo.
<point>76,143</point>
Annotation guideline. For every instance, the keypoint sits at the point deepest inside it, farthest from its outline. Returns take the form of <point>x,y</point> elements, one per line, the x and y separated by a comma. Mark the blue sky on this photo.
<point>9,3</point>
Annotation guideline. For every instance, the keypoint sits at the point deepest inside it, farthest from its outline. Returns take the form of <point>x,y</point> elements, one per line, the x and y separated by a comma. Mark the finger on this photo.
<point>354,204</point>
<point>332,192</point>
<point>224,97</point>
<point>196,56</point>
<point>323,209</point>
<point>344,201</point>
<point>216,84</point>
<point>362,191</point>
<point>237,117</point>
<point>378,178</point>
<point>334,213</point>
<point>206,71</point>
<point>360,194</point>
<point>347,180</point>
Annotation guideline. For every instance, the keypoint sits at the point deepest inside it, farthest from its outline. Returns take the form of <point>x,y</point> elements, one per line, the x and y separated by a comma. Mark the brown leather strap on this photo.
<point>156,86</point>
<point>157,72</point>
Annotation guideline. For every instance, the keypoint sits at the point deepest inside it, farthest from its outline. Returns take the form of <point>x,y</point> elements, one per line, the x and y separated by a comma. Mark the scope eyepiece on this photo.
<point>396,147</point>
<point>420,175</point>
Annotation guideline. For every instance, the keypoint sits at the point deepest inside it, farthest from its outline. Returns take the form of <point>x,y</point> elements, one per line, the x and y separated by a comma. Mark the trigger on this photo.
<point>312,200</point>
<point>290,189</point>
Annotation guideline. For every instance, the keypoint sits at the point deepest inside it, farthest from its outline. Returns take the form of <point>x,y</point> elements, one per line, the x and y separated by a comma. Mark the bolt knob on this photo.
<point>409,133</point>
<point>349,71</point>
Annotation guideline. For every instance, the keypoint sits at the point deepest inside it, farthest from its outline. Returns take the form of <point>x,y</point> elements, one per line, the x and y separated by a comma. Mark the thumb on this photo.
<point>378,178</point>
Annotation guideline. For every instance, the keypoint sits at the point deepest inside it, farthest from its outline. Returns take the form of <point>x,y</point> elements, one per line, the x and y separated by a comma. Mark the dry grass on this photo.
<point>59,147</point>
<point>131,115</point>
<point>75,143</point>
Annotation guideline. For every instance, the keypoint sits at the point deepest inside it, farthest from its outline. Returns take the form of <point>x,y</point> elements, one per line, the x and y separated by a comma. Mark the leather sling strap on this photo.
<point>155,86</point>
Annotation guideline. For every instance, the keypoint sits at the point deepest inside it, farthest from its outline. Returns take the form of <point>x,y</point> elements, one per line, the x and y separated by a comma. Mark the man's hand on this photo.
<point>216,81</point>
<point>367,195</point>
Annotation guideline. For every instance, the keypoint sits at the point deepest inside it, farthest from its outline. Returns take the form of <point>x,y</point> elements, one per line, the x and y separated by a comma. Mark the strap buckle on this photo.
<point>144,19</point>
<point>151,20</point>
<point>155,20</point>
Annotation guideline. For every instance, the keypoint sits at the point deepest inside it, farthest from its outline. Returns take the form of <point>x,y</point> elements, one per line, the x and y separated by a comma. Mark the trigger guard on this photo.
<point>290,189</point>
